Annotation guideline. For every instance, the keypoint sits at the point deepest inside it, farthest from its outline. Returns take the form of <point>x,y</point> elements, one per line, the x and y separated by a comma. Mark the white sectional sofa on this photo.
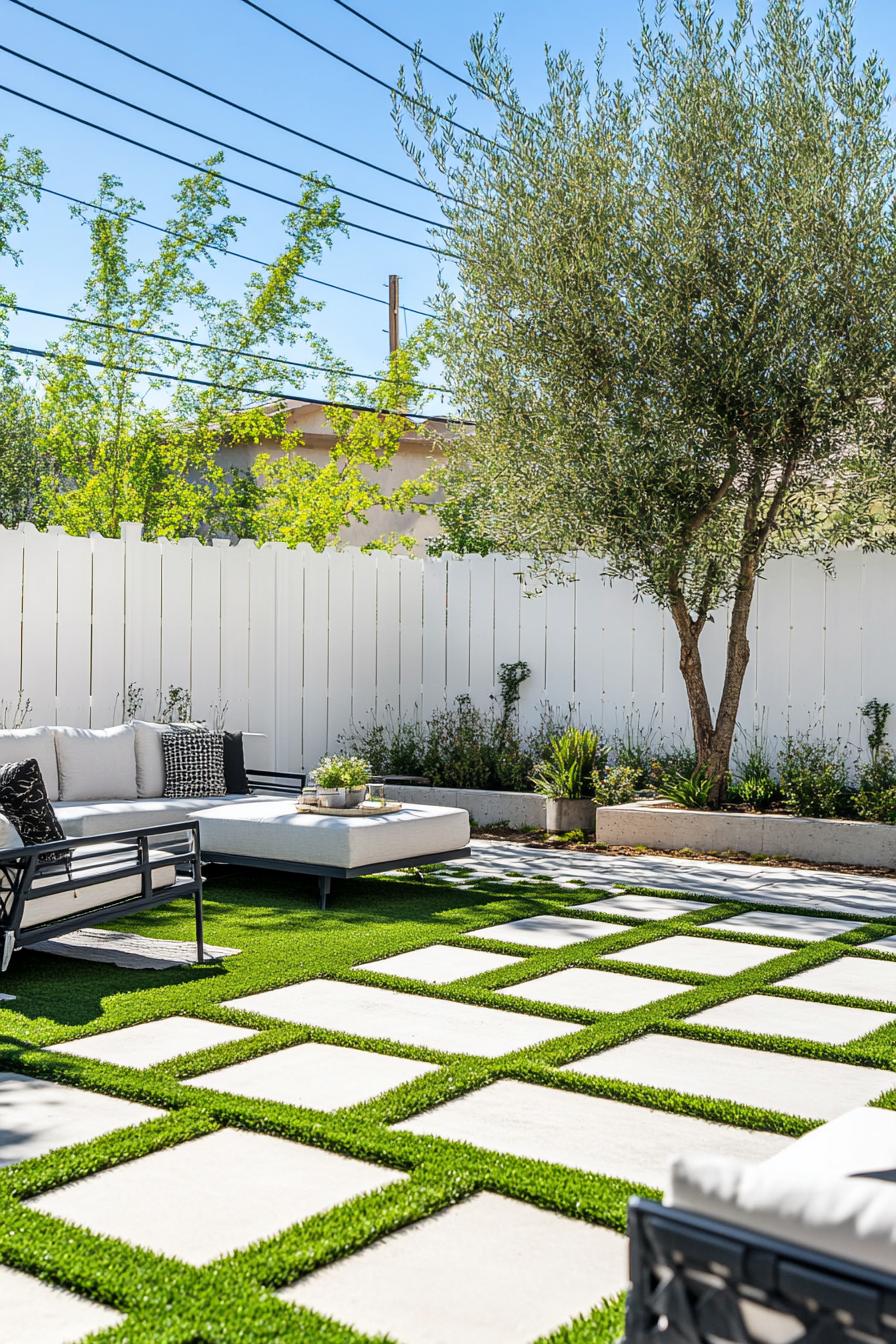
<point>131,847</point>
<point>131,844</point>
<point>102,780</point>
<point>799,1247</point>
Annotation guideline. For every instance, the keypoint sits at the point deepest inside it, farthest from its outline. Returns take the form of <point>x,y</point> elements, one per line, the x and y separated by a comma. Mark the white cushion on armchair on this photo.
<point>832,1190</point>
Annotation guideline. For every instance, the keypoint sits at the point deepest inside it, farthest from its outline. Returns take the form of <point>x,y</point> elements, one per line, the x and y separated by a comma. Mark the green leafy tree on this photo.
<point>297,500</point>
<point>675,314</point>
<point>20,178</point>
<point>120,447</point>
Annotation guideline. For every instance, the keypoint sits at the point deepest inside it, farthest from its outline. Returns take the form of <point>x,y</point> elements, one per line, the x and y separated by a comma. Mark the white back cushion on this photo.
<point>20,744</point>
<point>96,762</point>
<point>150,761</point>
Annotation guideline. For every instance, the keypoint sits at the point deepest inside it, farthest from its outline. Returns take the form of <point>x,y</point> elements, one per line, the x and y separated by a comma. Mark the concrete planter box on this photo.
<point>486,807</point>
<point>857,843</point>
<point>569,814</point>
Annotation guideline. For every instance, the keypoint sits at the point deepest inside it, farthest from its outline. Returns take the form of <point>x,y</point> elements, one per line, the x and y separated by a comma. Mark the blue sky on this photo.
<point>230,48</point>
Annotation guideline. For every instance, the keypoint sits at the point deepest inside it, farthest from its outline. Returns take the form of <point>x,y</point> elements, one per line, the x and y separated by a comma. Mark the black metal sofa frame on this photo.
<point>120,854</point>
<point>325,875</point>
<point>692,1278</point>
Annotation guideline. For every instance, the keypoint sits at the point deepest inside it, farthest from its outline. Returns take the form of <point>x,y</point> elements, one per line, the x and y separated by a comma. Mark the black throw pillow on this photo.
<point>23,797</point>
<point>235,764</point>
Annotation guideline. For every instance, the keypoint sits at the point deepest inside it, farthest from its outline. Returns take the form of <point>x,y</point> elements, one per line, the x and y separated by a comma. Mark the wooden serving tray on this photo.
<point>364,810</point>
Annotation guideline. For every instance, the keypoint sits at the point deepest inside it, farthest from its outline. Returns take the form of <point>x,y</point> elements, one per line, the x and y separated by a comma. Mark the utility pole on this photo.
<point>393,314</point>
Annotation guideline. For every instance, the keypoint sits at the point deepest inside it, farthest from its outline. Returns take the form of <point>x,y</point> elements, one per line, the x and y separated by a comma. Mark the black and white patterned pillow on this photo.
<point>23,798</point>
<point>194,765</point>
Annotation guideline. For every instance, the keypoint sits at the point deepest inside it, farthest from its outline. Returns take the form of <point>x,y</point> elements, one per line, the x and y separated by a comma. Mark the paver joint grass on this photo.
<point>284,939</point>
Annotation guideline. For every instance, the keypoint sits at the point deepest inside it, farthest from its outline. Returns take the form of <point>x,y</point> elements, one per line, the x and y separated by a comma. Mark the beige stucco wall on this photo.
<point>414,457</point>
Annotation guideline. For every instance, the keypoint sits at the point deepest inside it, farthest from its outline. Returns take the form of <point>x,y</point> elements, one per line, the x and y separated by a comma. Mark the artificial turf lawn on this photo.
<point>284,939</point>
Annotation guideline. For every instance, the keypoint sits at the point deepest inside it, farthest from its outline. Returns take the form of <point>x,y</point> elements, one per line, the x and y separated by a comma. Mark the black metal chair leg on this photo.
<point>200,938</point>
<point>323,891</point>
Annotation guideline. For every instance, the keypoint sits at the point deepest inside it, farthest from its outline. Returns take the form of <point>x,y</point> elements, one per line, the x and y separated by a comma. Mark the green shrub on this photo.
<point>815,777</point>
<point>691,790</point>
<point>877,805</point>
<point>570,764</point>
<point>672,762</point>
<point>634,748</point>
<point>617,785</point>
<point>875,798</point>
<point>754,782</point>
<point>756,791</point>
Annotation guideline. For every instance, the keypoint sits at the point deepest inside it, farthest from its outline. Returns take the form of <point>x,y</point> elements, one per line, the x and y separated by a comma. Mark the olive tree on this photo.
<point>673,312</point>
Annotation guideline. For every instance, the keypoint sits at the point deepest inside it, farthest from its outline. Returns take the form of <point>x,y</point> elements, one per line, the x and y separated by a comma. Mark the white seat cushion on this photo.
<point>43,909</point>
<point>861,1142</point>
<point>96,762</point>
<point>275,830</point>
<point>847,1216</point>
<point>20,744</point>
<point>126,814</point>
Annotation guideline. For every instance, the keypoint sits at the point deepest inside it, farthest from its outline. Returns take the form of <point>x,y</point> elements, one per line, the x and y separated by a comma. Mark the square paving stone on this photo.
<point>324,1077</point>
<point>769,1016</point>
<point>439,965</point>
<point>490,1270</point>
<point>35,1312</point>
<point>597,991</point>
<point>883,944</point>
<point>149,1043</point>
<point>632,905</point>
<point>588,1133</point>
<point>208,1196</point>
<point>711,956</point>
<point>549,931</point>
<point>857,977</point>
<point>813,1088</point>
<point>413,1019</point>
<point>808,928</point>
<point>37,1116</point>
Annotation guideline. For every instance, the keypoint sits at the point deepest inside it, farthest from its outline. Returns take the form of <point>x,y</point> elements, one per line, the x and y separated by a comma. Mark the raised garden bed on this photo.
<point>656,824</point>
<point>487,807</point>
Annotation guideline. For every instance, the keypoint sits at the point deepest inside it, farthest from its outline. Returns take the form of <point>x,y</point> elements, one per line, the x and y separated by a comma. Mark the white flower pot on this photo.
<point>335,798</point>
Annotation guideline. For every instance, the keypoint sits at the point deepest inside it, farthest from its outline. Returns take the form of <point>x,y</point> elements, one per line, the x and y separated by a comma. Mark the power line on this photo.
<point>367,74</point>
<point>246,391</point>
<point>216,140</point>
<point>218,349</point>
<point>212,172</point>
<point>371,23</point>
<point>230,102</point>
<point>417,51</point>
<point>213,247</point>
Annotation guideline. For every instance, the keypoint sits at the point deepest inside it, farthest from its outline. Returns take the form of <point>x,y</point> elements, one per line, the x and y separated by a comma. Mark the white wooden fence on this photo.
<point>298,644</point>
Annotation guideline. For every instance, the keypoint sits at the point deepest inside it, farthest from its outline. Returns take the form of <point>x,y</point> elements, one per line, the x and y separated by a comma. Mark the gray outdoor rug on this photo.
<point>129,950</point>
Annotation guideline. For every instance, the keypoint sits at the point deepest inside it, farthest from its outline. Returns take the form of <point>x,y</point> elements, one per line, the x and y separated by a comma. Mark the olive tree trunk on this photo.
<point>713,739</point>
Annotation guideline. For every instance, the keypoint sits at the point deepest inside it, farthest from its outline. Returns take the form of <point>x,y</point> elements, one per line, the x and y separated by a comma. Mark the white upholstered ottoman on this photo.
<point>270,833</point>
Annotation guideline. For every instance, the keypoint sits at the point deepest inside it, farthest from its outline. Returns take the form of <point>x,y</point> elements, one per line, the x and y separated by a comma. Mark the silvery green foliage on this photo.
<point>674,318</point>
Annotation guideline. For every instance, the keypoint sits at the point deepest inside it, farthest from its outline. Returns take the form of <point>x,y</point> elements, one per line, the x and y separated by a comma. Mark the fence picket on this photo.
<point>299,644</point>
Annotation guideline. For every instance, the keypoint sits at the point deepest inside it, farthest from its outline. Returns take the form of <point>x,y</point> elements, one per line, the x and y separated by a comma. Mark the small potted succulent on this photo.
<point>341,781</point>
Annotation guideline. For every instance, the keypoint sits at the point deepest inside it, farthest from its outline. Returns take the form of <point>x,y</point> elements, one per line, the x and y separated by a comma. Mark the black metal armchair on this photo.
<point>104,878</point>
